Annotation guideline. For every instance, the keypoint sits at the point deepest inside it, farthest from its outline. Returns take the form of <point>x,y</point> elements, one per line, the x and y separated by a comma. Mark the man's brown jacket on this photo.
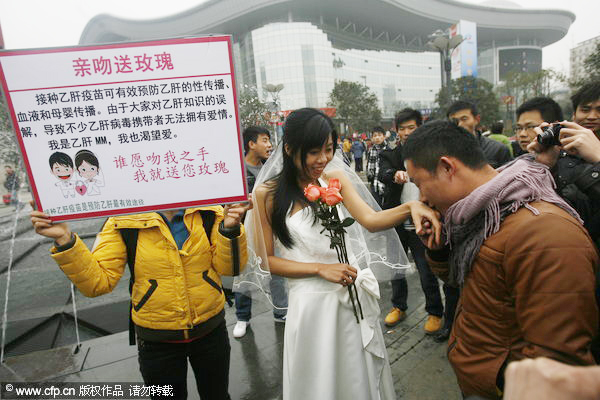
<point>530,293</point>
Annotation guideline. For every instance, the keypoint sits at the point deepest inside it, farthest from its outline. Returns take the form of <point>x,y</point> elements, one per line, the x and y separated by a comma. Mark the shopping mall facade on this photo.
<point>307,45</point>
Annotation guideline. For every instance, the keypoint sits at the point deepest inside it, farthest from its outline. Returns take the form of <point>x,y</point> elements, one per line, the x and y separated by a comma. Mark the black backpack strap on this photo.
<point>130,237</point>
<point>208,221</point>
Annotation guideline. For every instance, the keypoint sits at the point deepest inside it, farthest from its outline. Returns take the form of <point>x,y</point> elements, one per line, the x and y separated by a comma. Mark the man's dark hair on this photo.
<point>60,159</point>
<point>408,114</point>
<point>497,128</point>
<point>462,105</point>
<point>586,94</point>
<point>435,139</point>
<point>378,129</point>
<point>548,108</point>
<point>251,134</point>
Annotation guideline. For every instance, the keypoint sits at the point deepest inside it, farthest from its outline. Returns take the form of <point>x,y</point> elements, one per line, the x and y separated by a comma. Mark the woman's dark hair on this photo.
<point>305,129</point>
<point>87,156</point>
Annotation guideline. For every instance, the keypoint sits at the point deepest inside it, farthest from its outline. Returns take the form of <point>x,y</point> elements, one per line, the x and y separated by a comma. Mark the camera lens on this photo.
<point>550,136</point>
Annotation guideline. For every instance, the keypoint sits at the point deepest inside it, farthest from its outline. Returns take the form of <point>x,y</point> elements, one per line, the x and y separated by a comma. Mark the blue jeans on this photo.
<point>243,303</point>
<point>429,282</point>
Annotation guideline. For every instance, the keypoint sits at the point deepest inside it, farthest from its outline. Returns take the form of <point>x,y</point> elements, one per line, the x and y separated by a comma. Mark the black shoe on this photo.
<point>442,335</point>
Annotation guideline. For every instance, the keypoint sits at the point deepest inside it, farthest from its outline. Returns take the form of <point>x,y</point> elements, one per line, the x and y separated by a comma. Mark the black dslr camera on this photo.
<point>550,135</point>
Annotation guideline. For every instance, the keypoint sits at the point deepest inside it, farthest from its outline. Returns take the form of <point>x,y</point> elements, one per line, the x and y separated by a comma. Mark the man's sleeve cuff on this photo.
<point>441,255</point>
<point>229,233</point>
<point>65,246</point>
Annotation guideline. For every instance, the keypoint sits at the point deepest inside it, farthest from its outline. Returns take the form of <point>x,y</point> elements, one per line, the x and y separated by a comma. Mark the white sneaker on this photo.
<point>239,329</point>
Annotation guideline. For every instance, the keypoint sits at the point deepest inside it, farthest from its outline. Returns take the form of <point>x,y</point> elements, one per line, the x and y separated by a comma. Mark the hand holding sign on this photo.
<point>42,224</point>
<point>234,213</point>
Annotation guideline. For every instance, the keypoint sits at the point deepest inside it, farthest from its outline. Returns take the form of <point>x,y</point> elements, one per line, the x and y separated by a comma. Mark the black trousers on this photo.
<point>166,364</point>
<point>358,164</point>
<point>429,282</point>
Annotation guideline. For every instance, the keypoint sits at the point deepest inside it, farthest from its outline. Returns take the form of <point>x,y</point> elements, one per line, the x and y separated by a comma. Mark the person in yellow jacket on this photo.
<point>346,147</point>
<point>177,299</point>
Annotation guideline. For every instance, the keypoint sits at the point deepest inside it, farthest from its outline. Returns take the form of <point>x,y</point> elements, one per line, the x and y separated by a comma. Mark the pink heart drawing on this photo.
<point>81,189</point>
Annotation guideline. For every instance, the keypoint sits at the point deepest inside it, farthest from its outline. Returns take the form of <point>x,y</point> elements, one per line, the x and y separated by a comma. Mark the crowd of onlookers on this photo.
<point>531,288</point>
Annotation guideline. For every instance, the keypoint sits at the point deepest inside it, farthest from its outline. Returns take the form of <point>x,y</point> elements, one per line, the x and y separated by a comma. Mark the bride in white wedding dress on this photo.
<point>327,354</point>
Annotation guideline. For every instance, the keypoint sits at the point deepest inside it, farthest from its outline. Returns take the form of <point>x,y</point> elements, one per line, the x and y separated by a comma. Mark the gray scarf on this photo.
<point>470,221</point>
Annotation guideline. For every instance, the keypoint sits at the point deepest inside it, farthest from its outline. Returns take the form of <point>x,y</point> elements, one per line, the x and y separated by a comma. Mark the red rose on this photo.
<point>312,192</point>
<point>333,196</point>
<point>335,183</point>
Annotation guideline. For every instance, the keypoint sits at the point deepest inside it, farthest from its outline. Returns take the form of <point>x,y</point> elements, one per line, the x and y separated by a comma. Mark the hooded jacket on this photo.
<point>173,289</point>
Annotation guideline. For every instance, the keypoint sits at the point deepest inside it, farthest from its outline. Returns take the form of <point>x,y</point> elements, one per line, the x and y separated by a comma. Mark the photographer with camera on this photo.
<point>572,152</point>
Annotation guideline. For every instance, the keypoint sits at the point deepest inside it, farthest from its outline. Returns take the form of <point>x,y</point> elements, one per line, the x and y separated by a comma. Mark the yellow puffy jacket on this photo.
<point>174,289</point>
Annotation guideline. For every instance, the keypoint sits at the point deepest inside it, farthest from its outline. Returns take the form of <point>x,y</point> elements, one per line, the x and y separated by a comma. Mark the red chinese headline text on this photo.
<point>122,64</point>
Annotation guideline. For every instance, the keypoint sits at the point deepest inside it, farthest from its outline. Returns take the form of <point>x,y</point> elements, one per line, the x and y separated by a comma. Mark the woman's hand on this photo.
<point>343,274</point>
<point>427,223</point>
<point>234,213</point>
<point>43,226</point>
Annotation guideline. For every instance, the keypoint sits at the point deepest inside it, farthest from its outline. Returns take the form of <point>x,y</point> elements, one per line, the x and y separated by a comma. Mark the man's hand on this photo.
<point>400,177</point>
<point>234,213</point>
<point>542,378</point>
<point>544,155</point>
<point>579,141</point>
<point>43,226</point>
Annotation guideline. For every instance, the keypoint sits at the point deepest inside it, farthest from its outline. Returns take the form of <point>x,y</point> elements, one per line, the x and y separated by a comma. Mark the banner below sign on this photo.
<point>127,128</point>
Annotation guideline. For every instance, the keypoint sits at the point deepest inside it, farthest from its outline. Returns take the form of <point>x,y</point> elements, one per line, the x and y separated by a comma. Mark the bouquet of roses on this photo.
<point>326,200</point>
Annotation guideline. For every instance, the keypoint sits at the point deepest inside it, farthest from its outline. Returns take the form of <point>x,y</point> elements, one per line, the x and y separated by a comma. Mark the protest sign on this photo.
<point>127,128</point>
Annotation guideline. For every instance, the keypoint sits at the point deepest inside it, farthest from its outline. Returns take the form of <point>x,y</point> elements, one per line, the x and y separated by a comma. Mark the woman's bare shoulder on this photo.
<point>334,174</point>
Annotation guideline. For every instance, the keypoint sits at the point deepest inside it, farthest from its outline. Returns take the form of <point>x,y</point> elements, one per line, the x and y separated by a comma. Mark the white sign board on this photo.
<point>127,128</point>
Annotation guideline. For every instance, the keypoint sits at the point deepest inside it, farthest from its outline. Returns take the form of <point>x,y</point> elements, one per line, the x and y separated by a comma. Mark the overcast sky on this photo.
<point>50,23</point>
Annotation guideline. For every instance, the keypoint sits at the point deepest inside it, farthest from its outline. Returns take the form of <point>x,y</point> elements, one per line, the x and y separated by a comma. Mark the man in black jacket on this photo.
<point>392,173</point>
<point>465,115</point>
<point>575,164</point>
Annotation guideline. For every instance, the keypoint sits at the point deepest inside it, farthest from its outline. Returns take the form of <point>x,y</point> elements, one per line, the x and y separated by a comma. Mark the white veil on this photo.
<point>380,251</point>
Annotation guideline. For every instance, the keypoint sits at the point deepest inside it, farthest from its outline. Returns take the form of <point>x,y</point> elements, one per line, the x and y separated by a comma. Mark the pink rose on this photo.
<point>323,190</point>
<point>333,196</point>
<point>335,183</point>
<point>312,192</point>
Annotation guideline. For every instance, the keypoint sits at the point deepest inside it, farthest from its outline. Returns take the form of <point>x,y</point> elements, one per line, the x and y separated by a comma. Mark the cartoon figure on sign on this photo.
<point>89,169</point>
<point>61,166</point>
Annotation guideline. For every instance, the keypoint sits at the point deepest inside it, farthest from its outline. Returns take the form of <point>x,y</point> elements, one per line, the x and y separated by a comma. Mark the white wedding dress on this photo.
<point>327,354</point>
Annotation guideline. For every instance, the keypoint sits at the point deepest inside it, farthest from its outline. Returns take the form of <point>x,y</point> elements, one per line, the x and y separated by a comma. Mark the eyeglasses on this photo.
<point>525,128</point>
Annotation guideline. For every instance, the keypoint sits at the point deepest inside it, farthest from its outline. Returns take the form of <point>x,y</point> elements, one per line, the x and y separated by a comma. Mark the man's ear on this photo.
<point>251,145</point>
<point>478,119</point>
<point>287,150</point>
<point>447,166</point>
